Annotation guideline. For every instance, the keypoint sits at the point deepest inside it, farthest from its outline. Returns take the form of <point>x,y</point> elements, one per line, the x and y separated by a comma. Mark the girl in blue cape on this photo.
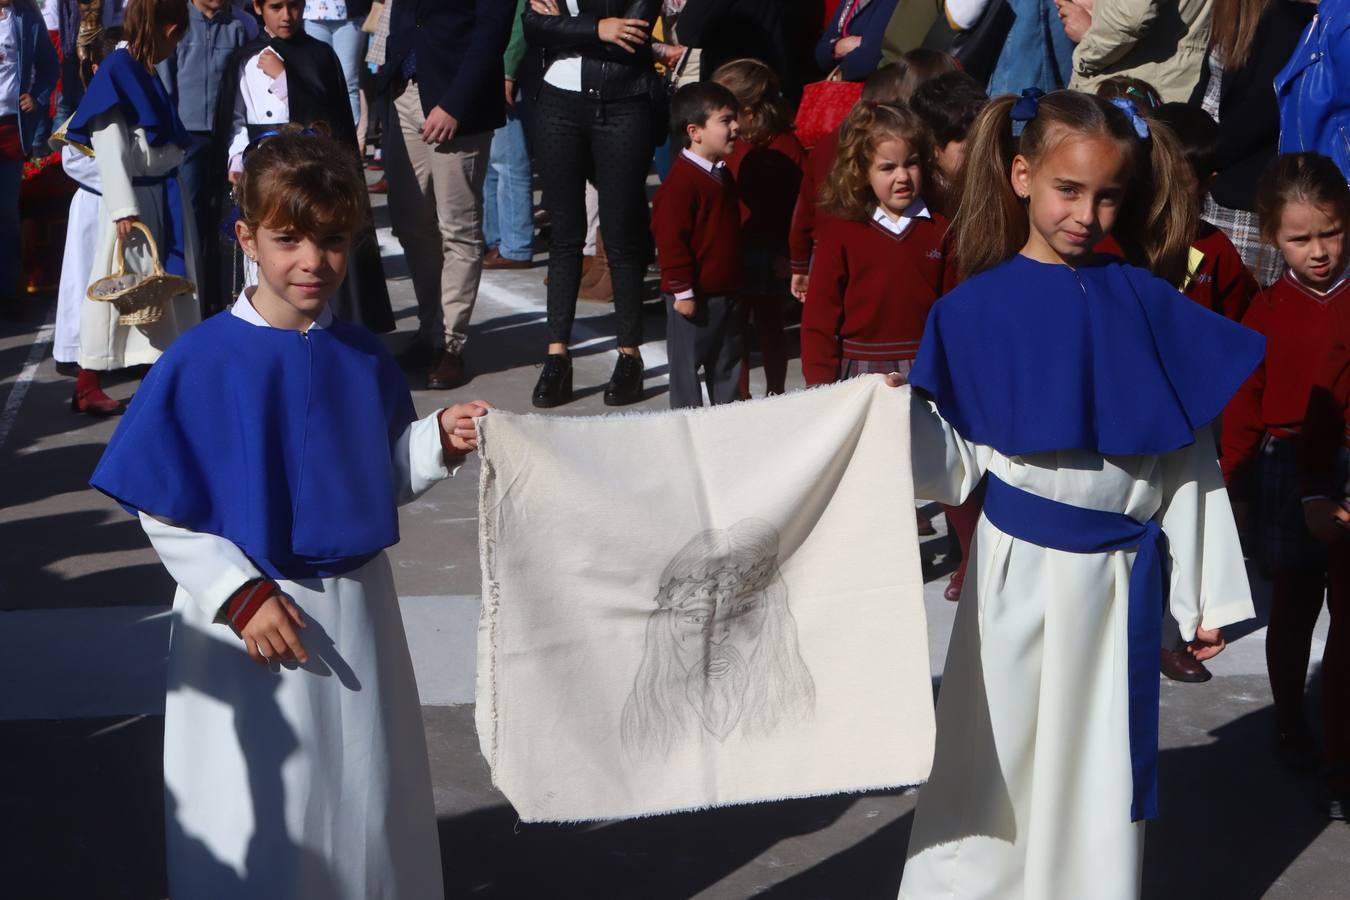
<point>128,123</point>
<point>266,455</point>
<point>1080,389</point>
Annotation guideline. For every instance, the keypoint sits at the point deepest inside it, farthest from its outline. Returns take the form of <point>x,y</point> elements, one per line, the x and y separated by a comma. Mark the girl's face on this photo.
<point>1312,239</point>
<point>281,18</point>
<point>1073,193</point>
<point>896,175</point>
<point>297,274</point>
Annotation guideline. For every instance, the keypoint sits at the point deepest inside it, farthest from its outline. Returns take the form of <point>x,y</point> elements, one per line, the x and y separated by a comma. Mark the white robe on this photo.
<point>123,154</point>
<point>1031,785</point>
<point>308,783</point>
<point>81,231</point>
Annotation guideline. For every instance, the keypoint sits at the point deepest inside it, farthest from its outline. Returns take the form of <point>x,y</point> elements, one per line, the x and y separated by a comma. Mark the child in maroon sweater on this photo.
<point>1304,206</point>
<point>767,162</point>
<point>880,260</point>
<point>696,220</point>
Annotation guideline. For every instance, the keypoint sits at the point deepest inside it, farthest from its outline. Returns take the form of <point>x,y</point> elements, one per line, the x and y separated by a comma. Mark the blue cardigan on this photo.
<point>38,69</point>
<point>870,25</point>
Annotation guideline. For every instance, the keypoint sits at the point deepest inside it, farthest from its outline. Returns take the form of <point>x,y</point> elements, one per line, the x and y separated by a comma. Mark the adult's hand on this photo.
<point>510,93</point>
<point>626,33</point>
<point>124,226</point>
<point>440,126</point>
<point>846,45</point>
<point>546,7</point>
<point>1077,19</point>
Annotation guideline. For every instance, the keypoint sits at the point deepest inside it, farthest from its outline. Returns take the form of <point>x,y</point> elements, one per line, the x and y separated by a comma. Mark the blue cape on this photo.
<point>1030,357</point>
<point>277,441</point>
<point>123,83</point>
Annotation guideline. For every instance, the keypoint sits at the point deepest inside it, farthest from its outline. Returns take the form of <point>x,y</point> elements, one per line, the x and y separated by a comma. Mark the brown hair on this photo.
<point>1299,178</point>
<point>847,192</point>
<point>896,82</point>
<point>303,181</point>
<point>1156,223</point>
<point>143,23</point>
<point>1233,30</point>
<point>1143,95</point>
<point>761,108</point>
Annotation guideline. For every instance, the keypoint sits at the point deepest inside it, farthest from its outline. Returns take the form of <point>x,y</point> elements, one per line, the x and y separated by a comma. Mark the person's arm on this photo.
<point>823,314</point>
<point>1117,26</point>
<point>673,230</point>
<point>825,60</point>
<point>562,32</point>
<point>1325,426</point>
<point>478,68</point>
<point>1234,285</point>
<point>238,124</point>
<point>210,568</point>
<point>46,71</point>
<point>1209,586</point>
<point>113,151</point>
<point>1243,424</point>
<point>864,59</point>
<point>515,45</point>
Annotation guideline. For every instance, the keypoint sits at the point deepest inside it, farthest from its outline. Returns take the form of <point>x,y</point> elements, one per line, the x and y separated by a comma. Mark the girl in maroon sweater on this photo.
<point>767,165</point>
<point>1304,206</point>
<point>881,257</point>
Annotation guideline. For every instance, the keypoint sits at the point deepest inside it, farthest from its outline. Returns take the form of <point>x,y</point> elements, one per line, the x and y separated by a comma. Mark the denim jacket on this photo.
<point>1314,88</point>
<point>38,69</point>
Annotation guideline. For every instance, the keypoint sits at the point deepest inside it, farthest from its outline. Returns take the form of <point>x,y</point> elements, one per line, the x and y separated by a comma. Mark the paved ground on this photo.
<point>83,629</point>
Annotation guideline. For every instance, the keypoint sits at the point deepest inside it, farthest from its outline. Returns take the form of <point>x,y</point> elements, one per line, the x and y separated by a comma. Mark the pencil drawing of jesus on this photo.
<point>720,655</point>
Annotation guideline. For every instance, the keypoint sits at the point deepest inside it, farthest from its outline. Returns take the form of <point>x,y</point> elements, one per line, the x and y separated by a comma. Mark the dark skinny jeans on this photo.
<point>611,144</point>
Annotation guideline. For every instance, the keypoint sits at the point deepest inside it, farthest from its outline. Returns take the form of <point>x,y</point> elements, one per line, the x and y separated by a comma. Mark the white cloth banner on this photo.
<point>703,607</point>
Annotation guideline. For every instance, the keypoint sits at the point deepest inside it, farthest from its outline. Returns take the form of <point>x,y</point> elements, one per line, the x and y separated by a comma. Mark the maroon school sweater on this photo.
<point>802,236</point>
<point>871,292</point>
<point>696,220</point>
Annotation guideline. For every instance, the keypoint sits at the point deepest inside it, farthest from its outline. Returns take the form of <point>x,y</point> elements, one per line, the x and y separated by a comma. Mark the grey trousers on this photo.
<point>709,340</point>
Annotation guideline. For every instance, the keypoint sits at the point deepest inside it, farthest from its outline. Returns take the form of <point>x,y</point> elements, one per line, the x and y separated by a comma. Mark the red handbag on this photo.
<point>824,106</point>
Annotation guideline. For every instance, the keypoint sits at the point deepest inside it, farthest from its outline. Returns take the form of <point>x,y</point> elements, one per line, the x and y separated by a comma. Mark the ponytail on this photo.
<point>1160,218</point>
<point>990,225</point>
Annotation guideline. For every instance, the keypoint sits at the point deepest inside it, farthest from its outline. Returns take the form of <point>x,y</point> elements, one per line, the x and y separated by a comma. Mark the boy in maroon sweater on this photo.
<point>696,220</point>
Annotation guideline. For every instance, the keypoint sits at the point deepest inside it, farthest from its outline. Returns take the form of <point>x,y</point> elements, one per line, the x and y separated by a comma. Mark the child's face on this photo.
<point>297,274</point>
<point>715,138</point>
<point>1074,194</point>
<point>282,18</point>
<point>951,158</point>
<point>896,175</point>
<point>1312,239</point>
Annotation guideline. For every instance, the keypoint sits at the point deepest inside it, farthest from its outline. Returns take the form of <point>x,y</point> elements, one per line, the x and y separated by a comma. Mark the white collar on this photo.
<point>706,165</point>
<point>243,309</point>
<point>1345,275</point>
<point>916,210</point>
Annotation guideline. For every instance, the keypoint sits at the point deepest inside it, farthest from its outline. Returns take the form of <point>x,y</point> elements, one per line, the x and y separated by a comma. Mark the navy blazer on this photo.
<point>38,69</point>
<point>459,46</point>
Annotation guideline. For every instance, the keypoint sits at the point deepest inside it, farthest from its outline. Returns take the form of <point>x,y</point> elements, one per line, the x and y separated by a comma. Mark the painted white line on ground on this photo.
<point>41,341</point>
<point>108,661</point>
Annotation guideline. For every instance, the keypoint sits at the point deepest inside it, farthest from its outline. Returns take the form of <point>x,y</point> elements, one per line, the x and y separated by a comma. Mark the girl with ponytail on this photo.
<point>1078,390</point>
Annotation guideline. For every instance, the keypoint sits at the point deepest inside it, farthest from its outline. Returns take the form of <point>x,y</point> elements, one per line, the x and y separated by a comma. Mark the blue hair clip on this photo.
<point>1025,109</point>
<point>1140,124</point>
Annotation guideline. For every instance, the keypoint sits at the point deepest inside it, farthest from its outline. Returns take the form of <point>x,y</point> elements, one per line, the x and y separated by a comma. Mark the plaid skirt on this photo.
<point>1282,540</point>
<point>1244,230</point>
<point>849,368</point>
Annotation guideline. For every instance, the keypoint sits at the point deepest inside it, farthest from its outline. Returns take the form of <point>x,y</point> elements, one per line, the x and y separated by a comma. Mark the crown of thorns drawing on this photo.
<point>679,592</point>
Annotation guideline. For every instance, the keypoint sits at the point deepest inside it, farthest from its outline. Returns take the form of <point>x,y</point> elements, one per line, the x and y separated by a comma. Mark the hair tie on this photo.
<point>1140,124</point>
<point>1025,109</point>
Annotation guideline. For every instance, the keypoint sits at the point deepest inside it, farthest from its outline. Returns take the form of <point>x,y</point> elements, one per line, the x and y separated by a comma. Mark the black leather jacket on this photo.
<point>607,71</point>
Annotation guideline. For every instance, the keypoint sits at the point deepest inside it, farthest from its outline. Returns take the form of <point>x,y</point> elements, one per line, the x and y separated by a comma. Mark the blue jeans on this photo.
<point>349,43</point>
<point>11,177</point>
<point>72,91</point>
<point>508,204</point>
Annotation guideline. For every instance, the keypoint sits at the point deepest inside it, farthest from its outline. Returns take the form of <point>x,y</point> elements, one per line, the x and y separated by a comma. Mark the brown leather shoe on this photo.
<point>448,373</point>
<point>493,259</point>
<point>1179,665</point>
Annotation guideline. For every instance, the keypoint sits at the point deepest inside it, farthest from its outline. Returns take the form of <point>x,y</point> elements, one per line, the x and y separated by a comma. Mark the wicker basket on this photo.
<point>140,299</point>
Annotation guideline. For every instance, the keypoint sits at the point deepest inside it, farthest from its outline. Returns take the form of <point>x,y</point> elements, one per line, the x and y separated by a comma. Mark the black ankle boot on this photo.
<point>625,385</point>
<point>554,386</point>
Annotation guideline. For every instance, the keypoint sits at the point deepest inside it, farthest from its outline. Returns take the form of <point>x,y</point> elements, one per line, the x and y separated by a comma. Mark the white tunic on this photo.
<point>123,154</point>
<point>81,232</point>
<point>309,783</point>
<point>1031,785</point>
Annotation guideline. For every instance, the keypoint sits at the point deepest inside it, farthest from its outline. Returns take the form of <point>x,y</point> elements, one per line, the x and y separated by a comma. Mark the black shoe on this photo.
<point>1296,750</point>
<point>418,356</point>
<point>625,385</point>
<point>554,386</point>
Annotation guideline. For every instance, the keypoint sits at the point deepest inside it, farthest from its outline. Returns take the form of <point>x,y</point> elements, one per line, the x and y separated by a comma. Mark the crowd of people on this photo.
<point>1010,202</point>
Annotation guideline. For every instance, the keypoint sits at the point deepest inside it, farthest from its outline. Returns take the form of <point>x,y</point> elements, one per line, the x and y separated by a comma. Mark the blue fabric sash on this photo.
<point>1073,529</point>
<point>171,251</point>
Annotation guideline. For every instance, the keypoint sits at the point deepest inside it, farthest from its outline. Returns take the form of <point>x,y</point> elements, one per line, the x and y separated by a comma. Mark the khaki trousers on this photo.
<point>436,206</point>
